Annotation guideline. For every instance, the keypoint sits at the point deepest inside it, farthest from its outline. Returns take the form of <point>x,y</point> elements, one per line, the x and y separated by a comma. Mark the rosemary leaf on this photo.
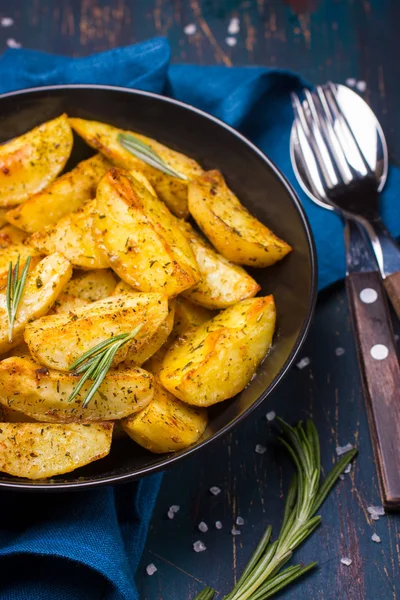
<point>143,151</point>
<point>14,291</point>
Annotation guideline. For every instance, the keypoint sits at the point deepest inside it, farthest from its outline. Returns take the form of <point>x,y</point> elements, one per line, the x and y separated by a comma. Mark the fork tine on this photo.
<point>354,156</point>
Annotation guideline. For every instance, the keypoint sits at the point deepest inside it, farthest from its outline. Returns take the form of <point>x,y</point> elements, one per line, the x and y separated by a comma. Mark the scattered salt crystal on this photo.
<point>351,82</point>
<point>304,362</point>
<point>203,527</point>
<point>174,508</point>
<point>346,561</point>
<point>361,86</point>
<point>190,29</point>
<point>397,337</point>
<point>374,518</point>
<point>234,26</point>
<point>218,525</point>
<point>259,449</point>
<point>348,468</point>
<point>199,546</point>
<point>11,43</point>
<point>376,538</point>
<point>239,521</point>
<point>7,22</point>
<point>215,490</point>
<point>340,351</point>
<point>151,569</point>
<point>270,416</point>
<point>342,477</point>
<point>231,41</point>
<point>170,514</point>
<point>376,510</point>
<point>343,449</point>
<point>235,531</point>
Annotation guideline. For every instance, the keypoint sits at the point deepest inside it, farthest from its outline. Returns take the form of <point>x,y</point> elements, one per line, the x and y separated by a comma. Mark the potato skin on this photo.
<point>40,450</point>
<point>72,236</point>
<point>188,315</point>
<point>222,283</point>
<point>166,424</point>
<point>43,285</point>
<point>56,341</point>
<point>218,359</point>
<point>139,236</point>
<point>232,230</point>
<point>31,161</point>
<point>43,394</point>
<point>64,195</point>
<point>171,190</point>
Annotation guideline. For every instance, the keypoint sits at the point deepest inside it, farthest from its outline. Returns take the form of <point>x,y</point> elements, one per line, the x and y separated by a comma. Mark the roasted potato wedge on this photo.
<point>189,315</point>
<point>3,220</point>
<point>39,450</point>
<point>31,161</point>
<point>64,195</point>
<point>72,236</point>
<point>123,288</point>
<point>166,424</point>
<point>91,285</point>
<point>9,415</point>
<point>234,232</point>
<point>218,359</point>
<point>222,283</point>
<point>172,190</point>
<point>42,287</point>
<point>58,340</point>
<point>139,236</point>
<point>43,394</point>
<point>10,235</point>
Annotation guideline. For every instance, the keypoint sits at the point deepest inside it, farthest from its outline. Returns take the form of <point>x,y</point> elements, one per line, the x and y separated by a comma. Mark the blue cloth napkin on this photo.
<point>101,533</point>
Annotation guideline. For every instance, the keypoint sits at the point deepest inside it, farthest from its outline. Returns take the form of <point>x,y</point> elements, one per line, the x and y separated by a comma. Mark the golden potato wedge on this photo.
<point>222,283</point>
<point>123,288</point>
<point>172,190</point>
<point>64,195</point>
<point>30,162</point>
<point>43,394</point>
<point>234,232</point>
<point>218,359</point>
<point>66,303</point>
<point>58,340</point>
<point>91,285</point>
<point>166,424</point>
<point>189,315</point>
<point>9,415</point>
<point>139,236</point>
<point>10,235</point>
<point>72,236</point>
<point>42,287</point>
<point>40,450</point>
<point>3,220</point>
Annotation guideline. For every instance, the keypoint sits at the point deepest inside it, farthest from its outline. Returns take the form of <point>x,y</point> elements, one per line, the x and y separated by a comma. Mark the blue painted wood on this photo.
<point>323,39</point>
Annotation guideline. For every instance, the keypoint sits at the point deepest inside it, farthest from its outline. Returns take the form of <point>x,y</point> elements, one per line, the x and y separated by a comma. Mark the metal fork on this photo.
<point>338,178</point>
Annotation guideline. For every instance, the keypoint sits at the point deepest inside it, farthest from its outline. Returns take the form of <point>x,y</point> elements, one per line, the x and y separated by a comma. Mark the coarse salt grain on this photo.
<point>218,525</point>
<point>203,527</point>
<point>199,546</point>
<point>231,41</point>
<point>235,531</point>
<point>340,351</point>
<point>190,29</point>
<point>7,22</point>
<point>170,514</point>
<point>11,43</point>
<point>215,490</point>
<point>259,449</point>
<point>374,518</point>
<point>348,468</point>
<point>376,510</point>
<point>343,449</point>
<point>361,86</point>
<point>239,521</point>
<point>151,569</point>
<point>174,508</point>
<point>351,82</point>
<point>270,416</point>
<point>346,561</point>
<point>304,362</point>
<point>234,26</point>
<point>342,477</point>
<point>376,538</point>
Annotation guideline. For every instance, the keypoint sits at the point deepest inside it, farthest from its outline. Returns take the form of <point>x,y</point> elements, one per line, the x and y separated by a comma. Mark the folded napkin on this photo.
<point>101,533</point>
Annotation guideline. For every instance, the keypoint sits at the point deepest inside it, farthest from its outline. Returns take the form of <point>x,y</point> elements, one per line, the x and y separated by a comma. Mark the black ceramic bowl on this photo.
<point>261,188</point>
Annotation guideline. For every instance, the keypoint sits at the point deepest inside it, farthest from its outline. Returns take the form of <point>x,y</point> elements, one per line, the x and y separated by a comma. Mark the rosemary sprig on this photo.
<point>96,362</point>
<point>263,577</point>
<point>14,291</point>
<point>147,154</point>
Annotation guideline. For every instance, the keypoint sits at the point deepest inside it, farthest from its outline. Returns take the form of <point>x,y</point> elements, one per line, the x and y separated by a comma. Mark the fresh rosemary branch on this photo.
<point>96,362</point>
<point>263,577</point>
<point>147,154</point>
<point>14,291</point>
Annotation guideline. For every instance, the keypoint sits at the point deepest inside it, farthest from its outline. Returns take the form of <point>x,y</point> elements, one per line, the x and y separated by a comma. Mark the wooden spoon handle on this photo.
<point>380,370</point>
<point>392,285</point>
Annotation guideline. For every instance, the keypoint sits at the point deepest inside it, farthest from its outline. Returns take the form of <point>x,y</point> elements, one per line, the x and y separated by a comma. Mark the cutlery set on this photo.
<point>340,158</point>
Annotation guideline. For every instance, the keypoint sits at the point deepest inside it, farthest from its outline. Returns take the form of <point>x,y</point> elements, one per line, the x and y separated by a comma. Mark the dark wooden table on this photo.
<point>331,39</point>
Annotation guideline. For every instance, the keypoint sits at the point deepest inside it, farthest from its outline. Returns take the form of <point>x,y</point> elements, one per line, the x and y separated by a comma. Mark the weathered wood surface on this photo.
<point>323,39</point>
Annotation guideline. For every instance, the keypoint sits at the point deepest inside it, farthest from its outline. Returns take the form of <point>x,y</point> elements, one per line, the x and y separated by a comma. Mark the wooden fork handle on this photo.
<point>380,370</point>
<point>392,285</point>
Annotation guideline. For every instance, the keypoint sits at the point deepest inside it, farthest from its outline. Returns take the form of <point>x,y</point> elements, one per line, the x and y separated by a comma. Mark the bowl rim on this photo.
<point>171,459</point>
